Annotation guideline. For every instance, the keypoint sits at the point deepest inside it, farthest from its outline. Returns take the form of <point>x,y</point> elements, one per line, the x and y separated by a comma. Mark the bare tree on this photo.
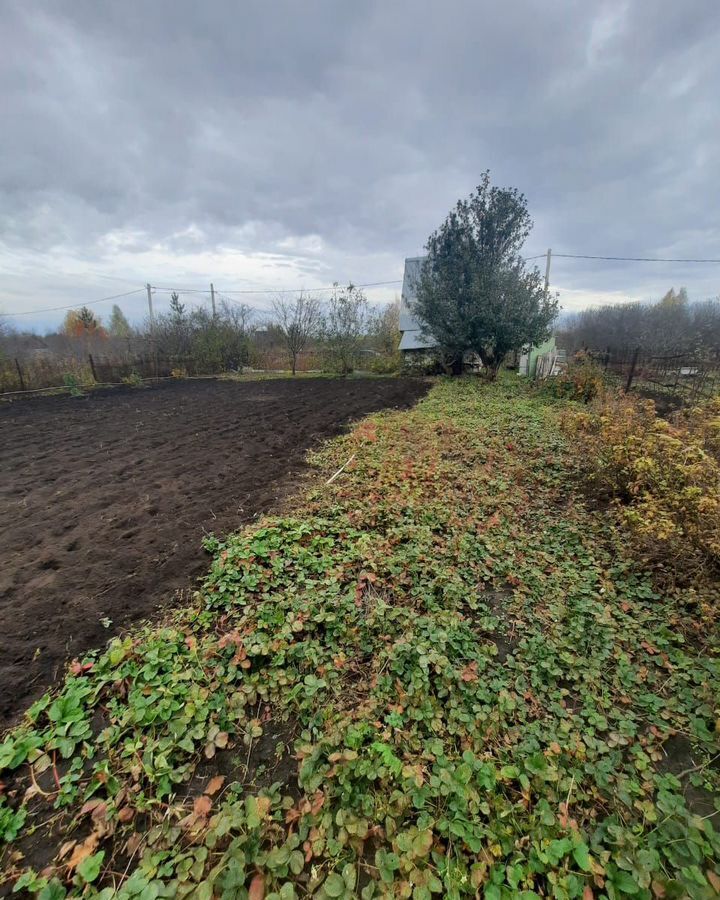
<point>345,325</point>
<point>237,316</point>
<point>298,320</point>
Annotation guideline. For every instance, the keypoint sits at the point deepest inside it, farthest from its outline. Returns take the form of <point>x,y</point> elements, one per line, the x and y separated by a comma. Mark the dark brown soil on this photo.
<point>104,500</point>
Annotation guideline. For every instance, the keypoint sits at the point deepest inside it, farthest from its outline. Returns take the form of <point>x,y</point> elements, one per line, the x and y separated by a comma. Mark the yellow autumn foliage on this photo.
<point>663,478</point>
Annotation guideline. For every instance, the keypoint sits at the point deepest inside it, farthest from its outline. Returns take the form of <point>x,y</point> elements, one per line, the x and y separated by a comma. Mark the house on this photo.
<point>542,361</point>
<point>417,348</point>
<point>412,343</point>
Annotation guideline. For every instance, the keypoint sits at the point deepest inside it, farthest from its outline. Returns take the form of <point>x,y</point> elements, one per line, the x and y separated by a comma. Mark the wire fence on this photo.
<point>687,377</point>
<point>38,373</point>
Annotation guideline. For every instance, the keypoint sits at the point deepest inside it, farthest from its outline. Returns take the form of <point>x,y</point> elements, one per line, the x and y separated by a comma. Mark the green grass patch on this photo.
<point>467,687</point>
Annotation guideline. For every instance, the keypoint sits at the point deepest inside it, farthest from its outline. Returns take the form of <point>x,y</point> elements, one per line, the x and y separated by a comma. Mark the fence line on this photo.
<point>33,375</point>
<point>689,377</point>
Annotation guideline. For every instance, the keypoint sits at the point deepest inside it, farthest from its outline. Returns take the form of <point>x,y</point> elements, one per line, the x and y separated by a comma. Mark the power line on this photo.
<point>369,284</point>
<point>162,290</point>
<point>31,312</point>
<point>312,290</point>
<point>630,258</point>
<point>270,290</point>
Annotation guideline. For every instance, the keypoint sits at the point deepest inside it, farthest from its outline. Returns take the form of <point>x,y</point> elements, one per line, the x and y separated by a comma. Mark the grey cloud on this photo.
<point>259,123</point>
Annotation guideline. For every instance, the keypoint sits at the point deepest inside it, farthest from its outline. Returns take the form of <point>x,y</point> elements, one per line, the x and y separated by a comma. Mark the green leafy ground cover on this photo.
<point>460,684</point>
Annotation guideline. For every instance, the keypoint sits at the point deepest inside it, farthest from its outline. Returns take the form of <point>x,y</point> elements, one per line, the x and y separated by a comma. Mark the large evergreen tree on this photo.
<point>474,292</point>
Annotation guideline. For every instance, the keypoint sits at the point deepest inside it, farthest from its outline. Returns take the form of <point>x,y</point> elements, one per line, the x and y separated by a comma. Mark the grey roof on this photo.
<point>412,338</point>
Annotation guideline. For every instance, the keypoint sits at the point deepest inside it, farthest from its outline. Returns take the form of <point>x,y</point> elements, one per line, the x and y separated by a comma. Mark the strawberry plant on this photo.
<point>479,688</point>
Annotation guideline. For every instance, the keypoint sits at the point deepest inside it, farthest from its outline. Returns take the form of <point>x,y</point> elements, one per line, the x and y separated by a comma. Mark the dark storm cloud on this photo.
<point>265,126</point>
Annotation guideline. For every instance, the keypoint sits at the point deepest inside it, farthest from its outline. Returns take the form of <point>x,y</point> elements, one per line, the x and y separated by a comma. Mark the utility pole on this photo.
<point>547,271</point>
<point>212,298</point>
<point>152,327</point>
<point>150,308</point>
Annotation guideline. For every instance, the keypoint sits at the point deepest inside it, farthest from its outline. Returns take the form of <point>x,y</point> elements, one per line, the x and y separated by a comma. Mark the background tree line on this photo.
<point>340,333</point>
<point>671,325</point>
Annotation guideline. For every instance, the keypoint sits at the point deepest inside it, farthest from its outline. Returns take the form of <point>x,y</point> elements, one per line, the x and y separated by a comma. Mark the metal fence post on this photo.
<point>631,373</point>
<point>20,374</point>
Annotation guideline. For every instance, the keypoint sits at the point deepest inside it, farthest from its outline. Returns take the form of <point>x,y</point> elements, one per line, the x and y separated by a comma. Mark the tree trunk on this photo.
<point>491,364</point>
<point>294,362</point>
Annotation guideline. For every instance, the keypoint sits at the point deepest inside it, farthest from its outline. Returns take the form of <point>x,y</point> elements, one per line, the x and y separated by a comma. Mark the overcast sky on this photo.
<point>268,144</point>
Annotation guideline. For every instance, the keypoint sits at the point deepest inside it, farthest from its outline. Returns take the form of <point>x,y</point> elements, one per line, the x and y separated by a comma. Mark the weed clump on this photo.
<point>582,381</point>
<point>133,380</point>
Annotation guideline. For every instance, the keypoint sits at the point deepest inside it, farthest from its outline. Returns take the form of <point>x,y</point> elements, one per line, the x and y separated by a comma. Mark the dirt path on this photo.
<point>104,500</point>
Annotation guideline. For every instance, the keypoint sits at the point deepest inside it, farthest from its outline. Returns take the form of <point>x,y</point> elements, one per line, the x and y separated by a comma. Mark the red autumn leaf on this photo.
<point>78,668</point>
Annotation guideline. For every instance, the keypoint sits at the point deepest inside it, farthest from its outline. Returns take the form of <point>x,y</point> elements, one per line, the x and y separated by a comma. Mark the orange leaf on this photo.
<point>66,848</point>
<point>82,851</point>
<point>588,893</point>
<point>257,888</point>
<point>215,784</point>
<point>202,806</point>
<point>469,673</point>
<point>713,879</point>
<point>232,637</point>
<point>91,806</point>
